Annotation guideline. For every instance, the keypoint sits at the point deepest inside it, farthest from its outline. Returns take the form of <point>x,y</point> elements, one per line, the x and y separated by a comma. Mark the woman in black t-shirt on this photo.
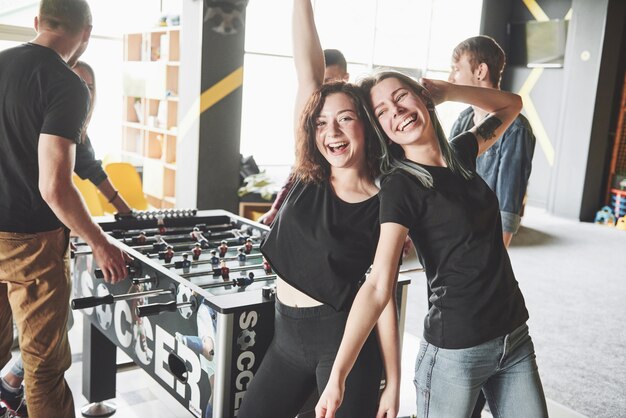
<point>321,245</point>
<point>475,333</point>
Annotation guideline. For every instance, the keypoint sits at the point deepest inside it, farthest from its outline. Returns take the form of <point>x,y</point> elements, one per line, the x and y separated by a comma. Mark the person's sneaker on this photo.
<point>14,402</point>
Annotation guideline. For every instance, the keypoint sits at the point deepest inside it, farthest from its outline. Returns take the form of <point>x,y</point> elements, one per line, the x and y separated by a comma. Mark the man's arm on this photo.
<point>516,153</point>
<point>56,161</point>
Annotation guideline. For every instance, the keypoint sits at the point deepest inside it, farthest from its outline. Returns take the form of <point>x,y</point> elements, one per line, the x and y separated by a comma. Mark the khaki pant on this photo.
<point>35,290</point>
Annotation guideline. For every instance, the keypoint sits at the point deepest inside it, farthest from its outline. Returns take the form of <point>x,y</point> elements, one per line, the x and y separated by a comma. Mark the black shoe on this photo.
<point>15,402</point>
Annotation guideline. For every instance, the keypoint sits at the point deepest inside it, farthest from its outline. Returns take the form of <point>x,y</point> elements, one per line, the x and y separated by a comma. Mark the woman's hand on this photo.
<point>389,403</point>
<point>330,400</point>
<point>438,89</point>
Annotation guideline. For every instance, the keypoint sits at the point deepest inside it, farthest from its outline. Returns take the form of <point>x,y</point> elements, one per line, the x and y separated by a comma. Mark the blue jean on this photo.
<point>448,381</point>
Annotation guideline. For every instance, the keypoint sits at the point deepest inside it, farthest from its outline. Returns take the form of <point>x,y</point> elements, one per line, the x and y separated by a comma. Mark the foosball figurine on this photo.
<point>224,270</point>
<point>215,260</point>
<point>223,248</point>
<point>140,239</point>
<point>241,256</point>
<point>169,254</point>
<point>160,244</point>
<point>186,263</point>
<point>196,251</point>
<point>244,281</point>
<point>197,235</point>
<point>161,223</point>
<point>248,246</point>
<point>266,266</point>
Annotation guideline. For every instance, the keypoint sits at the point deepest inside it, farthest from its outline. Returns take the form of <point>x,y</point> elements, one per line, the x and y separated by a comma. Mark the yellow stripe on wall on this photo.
<point>536,10</point>
<point>533,115</point>
<point>210,97</point>
<point>221,89</point>
<point>568,15</point>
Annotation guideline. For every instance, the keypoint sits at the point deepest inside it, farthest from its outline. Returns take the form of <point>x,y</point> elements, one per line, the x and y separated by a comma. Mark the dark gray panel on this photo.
<point>220,125</point>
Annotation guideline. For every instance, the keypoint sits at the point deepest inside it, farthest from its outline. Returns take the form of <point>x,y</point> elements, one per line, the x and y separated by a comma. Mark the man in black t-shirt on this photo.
<point>43,105</point>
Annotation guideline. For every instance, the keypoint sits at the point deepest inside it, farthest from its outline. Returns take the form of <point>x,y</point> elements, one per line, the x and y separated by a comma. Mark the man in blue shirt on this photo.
<point>505,167</point>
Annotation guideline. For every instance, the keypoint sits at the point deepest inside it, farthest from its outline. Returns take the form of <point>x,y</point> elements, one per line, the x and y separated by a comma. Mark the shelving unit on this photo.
<point>150,111</point>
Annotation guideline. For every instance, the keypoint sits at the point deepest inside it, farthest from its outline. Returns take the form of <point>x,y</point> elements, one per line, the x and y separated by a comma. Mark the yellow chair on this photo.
<point>90,195</point>
<point>126,180</point>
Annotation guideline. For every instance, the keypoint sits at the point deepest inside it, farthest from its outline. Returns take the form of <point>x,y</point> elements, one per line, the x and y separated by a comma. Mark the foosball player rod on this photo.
<point>232,282</point>
<point>157,308</point>
<point>144,280</point>
<point>216,271</point>
<point>178,264</point>
<point>91,301</point>
<point>133,271</point>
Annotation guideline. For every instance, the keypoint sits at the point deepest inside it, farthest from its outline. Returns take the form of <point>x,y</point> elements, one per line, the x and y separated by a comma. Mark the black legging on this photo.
<point>301,356</point>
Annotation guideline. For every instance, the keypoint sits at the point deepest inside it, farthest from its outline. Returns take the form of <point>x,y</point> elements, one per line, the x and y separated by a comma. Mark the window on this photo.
<point>417,36</point>
<point>104,53</point>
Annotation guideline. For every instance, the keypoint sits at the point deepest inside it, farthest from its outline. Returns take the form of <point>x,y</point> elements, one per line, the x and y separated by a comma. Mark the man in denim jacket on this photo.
<point>506,166</point>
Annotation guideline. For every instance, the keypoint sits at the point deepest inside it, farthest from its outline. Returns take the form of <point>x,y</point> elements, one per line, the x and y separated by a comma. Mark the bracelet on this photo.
<point>114,196</point>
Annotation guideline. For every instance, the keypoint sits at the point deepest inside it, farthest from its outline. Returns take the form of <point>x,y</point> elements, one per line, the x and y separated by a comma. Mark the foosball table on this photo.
<point>196,311</point>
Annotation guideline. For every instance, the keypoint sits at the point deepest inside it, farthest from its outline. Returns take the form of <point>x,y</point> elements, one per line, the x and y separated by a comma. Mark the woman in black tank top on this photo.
<point>321,245</point>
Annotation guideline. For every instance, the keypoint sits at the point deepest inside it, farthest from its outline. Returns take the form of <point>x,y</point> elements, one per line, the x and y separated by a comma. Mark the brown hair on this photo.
<point>310,165</point>
<point>69,15</point>
<point>335,57</point>
<point>483,49</point>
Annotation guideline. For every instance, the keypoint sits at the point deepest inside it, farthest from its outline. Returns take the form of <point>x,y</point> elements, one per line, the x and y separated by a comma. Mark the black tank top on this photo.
<point>322,245</point>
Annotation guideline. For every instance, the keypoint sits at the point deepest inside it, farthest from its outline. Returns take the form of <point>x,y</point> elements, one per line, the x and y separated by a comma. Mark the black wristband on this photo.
<point>114,196</point>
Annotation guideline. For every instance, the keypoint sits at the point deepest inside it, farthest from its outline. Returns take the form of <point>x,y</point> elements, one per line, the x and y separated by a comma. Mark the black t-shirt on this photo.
<point>457,231</point>
<point>39,94</point>
<point>322,245</point>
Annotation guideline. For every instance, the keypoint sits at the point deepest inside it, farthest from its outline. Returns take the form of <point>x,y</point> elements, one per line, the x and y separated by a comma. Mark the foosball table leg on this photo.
<point>99,372</point>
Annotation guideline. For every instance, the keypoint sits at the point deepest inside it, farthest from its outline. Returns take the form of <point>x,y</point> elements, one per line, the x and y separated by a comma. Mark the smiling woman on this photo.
<point>333,117</point>
<point>477,311</point>
<point>321,245</point>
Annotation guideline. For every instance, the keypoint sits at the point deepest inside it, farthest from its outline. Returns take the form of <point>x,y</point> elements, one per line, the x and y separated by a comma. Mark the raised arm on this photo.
<point>502,107</point>
<point>368,305</point>
<point>307,53</point>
